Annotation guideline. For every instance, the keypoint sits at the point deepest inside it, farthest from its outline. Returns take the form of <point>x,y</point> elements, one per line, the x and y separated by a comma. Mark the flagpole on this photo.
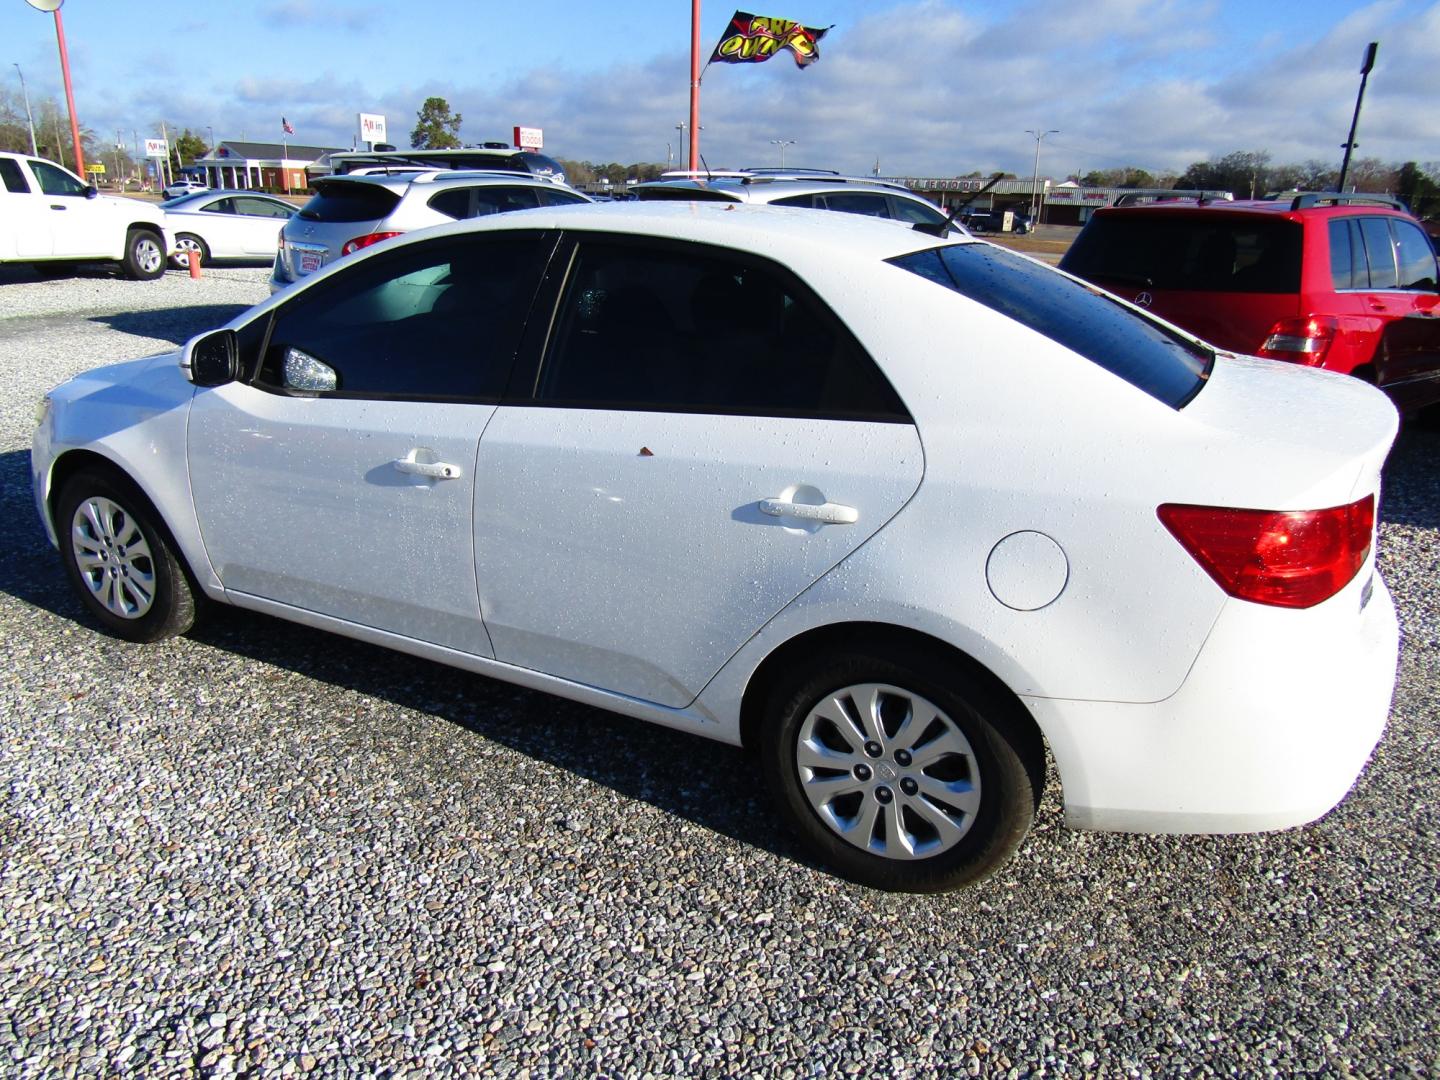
<point>694,85</point>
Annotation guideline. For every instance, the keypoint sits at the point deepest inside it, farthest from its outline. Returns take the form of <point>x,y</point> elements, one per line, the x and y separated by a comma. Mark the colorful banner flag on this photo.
<point>285,126</point>
<point>753,39</point>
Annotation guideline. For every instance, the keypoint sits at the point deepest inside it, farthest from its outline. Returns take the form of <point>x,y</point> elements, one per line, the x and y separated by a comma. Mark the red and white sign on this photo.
<point>372,127</point>
<point>528,138</point>
<point>157,148</point>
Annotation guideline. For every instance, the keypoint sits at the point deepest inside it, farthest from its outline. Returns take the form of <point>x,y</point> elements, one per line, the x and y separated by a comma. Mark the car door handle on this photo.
<point>432,470</point>
<point>825,513</point>
<point>57,206</point>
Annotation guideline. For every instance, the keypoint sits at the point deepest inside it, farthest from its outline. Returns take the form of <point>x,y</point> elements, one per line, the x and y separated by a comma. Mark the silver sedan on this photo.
<point>226,225</point>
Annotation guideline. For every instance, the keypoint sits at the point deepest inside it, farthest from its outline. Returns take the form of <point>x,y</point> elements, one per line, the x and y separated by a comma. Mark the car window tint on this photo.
<point>1414,256</point>
<point>1379,252</point>
<point>853,202</point>
<point>795,200</point>
<point>694,329</point>
<point>914,212</point>
<point>1198,252</point>
<point>684,194</point>
<point>14,178</point>
<point>342,201</point>
<point>219,206</point>
<point>455,204</point>
<point>1165,365</point>
<point>437,321</point>
<point>1342,255</point>
<point>55,181</point>
<point>559,198</point>
<point>497,200</point>
<point>253,207</point>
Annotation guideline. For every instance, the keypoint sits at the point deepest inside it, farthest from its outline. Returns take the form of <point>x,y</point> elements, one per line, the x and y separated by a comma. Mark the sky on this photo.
<point>924,87</point>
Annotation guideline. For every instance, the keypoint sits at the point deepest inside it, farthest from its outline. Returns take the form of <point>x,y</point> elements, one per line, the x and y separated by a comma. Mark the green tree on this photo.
<point>185,148</point>
<point>1420,193</point>
<point>436,128</point>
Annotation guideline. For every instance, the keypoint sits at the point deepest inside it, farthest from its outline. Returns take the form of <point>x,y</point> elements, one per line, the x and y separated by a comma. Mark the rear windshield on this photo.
<point>1201,252</point>
<point>348,201</point>
<point>1165,365</point>
<point>665,194</point>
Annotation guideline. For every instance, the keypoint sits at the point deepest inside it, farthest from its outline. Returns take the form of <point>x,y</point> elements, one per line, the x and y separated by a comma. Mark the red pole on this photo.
<point>694,85</point>
<point>70,94</point>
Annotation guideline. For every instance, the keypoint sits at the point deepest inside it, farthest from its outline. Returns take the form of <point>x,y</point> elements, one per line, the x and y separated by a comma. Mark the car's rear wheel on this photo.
<point>120,559</point>
<point>144,255</point>
<point>186,243</point>
<point>902,773</point>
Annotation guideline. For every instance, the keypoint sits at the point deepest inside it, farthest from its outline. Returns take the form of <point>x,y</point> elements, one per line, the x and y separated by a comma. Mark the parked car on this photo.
<point>980,219</point>
<point>811,188</point>
<point>1347,282</point>
<point>220,225</point>
<point>896,511</point>
<point>349,213</point>
<point>52,219</point>
<point>495,156</point>
<point>183,187</point>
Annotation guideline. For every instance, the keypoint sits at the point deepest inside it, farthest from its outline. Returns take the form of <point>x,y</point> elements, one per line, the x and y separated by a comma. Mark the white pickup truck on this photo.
<point>52,219</point>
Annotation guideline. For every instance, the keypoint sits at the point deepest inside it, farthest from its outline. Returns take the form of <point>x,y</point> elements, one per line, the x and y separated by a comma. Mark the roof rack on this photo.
<point>1202,197</point>
<point>1304,200</point>
<point>771,176</point>
<point>770,170</point>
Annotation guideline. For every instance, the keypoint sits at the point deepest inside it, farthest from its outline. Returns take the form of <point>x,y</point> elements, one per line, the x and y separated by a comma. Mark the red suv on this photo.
<point>1345,282</point>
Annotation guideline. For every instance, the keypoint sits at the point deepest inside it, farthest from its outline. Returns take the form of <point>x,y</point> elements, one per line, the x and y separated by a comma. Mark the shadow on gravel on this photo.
<point>1411,491</point>
<point>705,782</point>
<point>177,325</point>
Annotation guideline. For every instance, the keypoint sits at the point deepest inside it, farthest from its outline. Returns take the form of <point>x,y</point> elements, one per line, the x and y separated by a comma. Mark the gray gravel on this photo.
<point>264,850</point>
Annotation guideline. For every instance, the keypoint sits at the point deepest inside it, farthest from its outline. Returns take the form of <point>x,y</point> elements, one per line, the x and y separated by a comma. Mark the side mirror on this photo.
<point>91,191</point>
<point>212,359</point>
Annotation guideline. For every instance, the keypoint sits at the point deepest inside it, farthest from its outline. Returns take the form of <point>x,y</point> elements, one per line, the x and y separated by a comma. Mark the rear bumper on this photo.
<point>1270,729</point>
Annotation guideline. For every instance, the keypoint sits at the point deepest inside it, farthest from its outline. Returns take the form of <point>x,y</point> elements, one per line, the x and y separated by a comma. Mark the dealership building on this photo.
<point>260,166</point>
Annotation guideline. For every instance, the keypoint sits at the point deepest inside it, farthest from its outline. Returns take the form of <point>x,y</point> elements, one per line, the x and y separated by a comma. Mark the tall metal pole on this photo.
<point>782,143</point>
<point>69,94</point>
<point>694,85</point>
<point>30,120</point>
<point>1350,144</point>
<point>1035,176</point>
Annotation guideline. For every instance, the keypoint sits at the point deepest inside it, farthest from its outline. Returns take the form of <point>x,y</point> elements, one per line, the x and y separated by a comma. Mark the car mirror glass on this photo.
<point>304,372</point>
<point>212,359</point>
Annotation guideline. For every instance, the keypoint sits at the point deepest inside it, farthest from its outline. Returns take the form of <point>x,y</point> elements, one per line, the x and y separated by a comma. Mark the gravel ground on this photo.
<point>264,850</point>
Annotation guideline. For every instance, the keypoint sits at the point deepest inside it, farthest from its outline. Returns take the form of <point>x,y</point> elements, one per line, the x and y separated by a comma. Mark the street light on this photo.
<point>28,118</point>
<point>782,143</point>
<point>1035,176</point>
<point>1365,65</point>
<point>53,6</point>
<point>682,128</point>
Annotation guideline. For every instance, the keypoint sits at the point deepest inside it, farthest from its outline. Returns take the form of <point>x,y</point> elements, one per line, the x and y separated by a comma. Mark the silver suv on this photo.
<point>814,188</point>
<point>348,213</point>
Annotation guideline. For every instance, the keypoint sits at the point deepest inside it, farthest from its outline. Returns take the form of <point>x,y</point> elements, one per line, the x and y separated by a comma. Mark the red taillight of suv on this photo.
<point>1302,340</point>
<point>1284,558</point>
<point>352,246</point>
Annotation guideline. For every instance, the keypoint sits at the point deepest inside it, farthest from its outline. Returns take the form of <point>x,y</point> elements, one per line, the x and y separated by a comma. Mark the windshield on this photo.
<point>340,200</point>
<point>1164,364</point>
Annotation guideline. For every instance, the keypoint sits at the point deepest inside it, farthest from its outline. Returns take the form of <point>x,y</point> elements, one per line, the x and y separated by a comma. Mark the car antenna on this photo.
<point>943,230</point>
<point>707,167</point>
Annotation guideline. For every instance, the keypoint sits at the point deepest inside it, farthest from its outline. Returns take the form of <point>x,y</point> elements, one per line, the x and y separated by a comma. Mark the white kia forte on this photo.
<point>896,510</point>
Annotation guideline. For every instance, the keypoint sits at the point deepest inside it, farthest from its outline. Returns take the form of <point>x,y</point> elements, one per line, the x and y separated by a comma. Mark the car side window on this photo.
<point>1379,252</point>
<point>687,328</point>
<point>914,212</point>
<point>559,198</point>
<point>1345,246</point>
<point>854,202</point>
<point>14,178</point>
<point>496,200</point>
<point>219,206</point>
<point>806,201</point>
<point>55,181</point>
<point>454,204</point>
<point>252,207</point>
<point>437,321</point>
<point>1414,256</point>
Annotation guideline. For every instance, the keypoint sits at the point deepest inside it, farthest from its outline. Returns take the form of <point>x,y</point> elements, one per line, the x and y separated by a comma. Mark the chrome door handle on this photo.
<point>433,470</point>
<point>53,206</point>
<point>826,513</point>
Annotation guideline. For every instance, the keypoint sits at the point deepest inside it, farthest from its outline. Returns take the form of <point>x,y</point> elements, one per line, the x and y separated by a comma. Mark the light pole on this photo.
<point>683,127</point>
<point>1035,175</point>
<point>782,143</point>
<point>53,6</point>
<point>119,145</point>
<point>1350,144</point>
<point>28,118</point>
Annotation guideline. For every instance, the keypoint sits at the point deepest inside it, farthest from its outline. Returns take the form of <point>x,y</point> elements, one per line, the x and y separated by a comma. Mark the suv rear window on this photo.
<point>341,201</point>
<point>1200,252</point>
<point>1165,365</point>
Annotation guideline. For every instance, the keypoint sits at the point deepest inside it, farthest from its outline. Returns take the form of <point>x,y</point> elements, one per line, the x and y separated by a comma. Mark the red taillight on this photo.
<point>352,246</point>
<point>1293,559</point>
<point>1302,340</point>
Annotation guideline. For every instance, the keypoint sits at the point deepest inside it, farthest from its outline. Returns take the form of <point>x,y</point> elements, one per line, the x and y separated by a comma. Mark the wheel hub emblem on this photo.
<point>885,771</point>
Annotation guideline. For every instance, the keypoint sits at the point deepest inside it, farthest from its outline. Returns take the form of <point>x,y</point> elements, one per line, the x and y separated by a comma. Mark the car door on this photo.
<point>354,500</point>
<point>258,224</point>
<point>80,226</point>
<point>23,213</point>
<point>701,441</point>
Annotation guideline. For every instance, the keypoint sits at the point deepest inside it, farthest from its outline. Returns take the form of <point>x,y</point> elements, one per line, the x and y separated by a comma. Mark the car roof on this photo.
<point>761,185</point>
<point>399,179</point>
<point>1289,204</point>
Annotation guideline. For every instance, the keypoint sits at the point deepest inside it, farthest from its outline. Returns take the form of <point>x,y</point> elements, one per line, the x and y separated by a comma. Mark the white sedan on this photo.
<point>897,510</point>
<point>226,225</point>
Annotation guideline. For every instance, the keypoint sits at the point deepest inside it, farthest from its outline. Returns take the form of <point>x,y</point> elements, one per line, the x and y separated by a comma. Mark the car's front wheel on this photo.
<point>120,559</point>
<point>901,772</point>
<point>144,255</point>
<point>186,243</point>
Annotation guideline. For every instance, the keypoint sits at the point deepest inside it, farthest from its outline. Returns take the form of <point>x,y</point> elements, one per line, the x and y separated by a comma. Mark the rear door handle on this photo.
<point>431,470</point>
<point>825,513</point>
<point>57,206</point>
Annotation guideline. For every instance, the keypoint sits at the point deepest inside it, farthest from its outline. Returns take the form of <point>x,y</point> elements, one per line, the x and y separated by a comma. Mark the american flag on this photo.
<point>285,124</point>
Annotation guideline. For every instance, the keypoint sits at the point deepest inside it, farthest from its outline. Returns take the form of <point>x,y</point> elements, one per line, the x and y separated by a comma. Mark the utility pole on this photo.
<point>30,120</point>
<point>1350,143</point>
<point>1035,176</point>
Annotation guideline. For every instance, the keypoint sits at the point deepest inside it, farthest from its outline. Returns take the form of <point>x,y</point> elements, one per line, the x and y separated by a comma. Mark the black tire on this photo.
<point>101,513</point>
<point>185,242</point>
<point>145,255</point>
<point>54,270</point>
<point>1004,757</point>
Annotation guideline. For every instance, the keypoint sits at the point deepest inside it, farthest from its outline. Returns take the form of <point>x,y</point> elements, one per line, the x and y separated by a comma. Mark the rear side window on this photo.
<point>497,200</point>
<point>682,195</point>
<point>347,202</point>
<point>557,197</point>
<point>849,202</point>
<point>695,329</point>
<point>1164,365</point>
<point>1413,256</point>
<point>14,179</point>
<point>1199,252</point>
<point>1379,252</point>
<point>1347,255</point>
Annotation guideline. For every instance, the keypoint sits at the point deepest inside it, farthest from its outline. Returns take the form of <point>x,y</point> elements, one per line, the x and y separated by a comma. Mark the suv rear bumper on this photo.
<point>1255,739</point>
